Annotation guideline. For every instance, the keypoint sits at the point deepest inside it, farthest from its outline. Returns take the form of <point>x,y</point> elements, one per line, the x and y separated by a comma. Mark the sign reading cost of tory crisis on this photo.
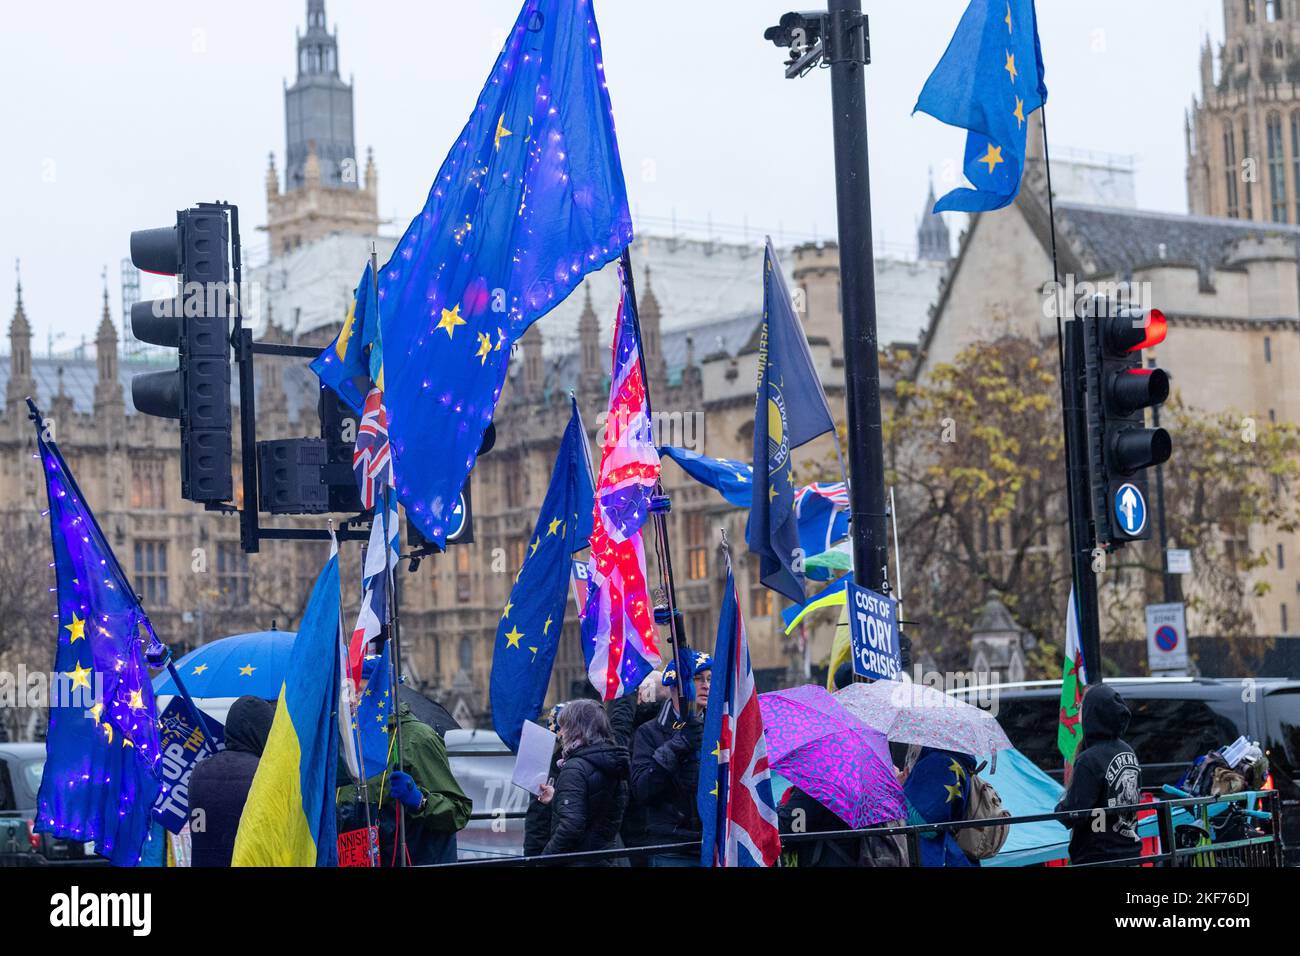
<point>873,634</point>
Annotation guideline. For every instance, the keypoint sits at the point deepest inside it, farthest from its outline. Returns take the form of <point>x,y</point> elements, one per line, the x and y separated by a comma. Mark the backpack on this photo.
<point>983,803</point>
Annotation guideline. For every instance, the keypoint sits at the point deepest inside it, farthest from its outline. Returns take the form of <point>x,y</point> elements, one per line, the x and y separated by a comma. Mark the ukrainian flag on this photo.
<point>829,596</point>
<point>288,819</point>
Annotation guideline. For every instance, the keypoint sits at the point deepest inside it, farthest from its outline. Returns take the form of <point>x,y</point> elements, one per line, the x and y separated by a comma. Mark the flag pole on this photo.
<point>663,550</point>
<point>392,615</point>
<point>372,848</point>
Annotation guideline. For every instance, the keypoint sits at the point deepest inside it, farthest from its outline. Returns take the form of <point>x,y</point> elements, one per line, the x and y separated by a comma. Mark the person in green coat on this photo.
<point>435,807</point>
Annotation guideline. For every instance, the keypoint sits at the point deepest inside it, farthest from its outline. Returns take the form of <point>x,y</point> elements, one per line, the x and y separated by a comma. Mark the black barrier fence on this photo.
<point>1233,830</point>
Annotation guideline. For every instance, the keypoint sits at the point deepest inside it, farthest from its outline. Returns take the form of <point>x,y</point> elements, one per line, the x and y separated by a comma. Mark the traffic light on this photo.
<point>196,323</point>
<point>1120,390</point>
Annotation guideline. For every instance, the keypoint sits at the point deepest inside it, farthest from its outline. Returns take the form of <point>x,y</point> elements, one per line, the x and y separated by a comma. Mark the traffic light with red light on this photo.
<point>196,323</point>
<point>1120,389</point>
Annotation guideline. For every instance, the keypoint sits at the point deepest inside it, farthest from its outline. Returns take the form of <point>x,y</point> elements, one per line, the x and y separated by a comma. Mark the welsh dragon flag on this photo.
<point>1074,678</point>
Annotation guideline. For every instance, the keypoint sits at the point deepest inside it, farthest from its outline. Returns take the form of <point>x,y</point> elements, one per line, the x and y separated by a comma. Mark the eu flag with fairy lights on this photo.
<point>99,782</point>
<point>530,199</point>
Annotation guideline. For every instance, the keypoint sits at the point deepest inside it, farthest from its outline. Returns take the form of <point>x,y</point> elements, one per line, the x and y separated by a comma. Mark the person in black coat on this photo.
<point>1106,774</point>
<point>666,770</point>
<point>219,784</point>
<point>591,792</point>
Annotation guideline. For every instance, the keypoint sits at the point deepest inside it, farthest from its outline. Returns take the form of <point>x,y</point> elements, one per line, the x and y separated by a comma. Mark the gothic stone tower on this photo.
<point>323,193</point>
<point>1243,133</point>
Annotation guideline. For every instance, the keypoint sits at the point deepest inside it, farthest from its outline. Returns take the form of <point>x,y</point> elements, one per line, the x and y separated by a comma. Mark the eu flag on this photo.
<point>354,360</point>
<point>790,409</point>
<point>529,631</point>
<point>529,200</point>
<point>989,81</point>
<point>374,706</point>
<point>731,479</point>
<point>102,747</point>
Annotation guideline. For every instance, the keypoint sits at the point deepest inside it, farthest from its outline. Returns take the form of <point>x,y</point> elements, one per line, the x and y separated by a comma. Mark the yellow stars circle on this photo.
<point>450,319</point>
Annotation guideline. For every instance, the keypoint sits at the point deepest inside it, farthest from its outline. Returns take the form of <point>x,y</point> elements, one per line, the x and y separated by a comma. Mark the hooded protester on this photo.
<point>666,769</point>
<point>435,808</point>
<point>937,790</point>
<point>219,784</point>
<point>1106,774</point>
<point>591,792</point>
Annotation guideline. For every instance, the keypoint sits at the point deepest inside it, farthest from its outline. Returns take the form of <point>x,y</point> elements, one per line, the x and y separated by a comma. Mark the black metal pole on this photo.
<point>1074,393</point>
<point>1170,582</point>
<point>846,53</point>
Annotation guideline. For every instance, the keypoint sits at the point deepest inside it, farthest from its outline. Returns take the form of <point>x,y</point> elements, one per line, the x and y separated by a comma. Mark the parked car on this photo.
<point>483,766</point>
<point>21,765</point>
<point>1175,720</point>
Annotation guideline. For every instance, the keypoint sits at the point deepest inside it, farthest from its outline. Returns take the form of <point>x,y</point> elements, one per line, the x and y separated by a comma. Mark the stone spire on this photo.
<point>372,172</point>
<point>272,178</point>
<point>21,382</point>
<point>533,374</point>
<point>932,242</point>
<point>108,387</point>
<point>651,320</point>
<point>590,374</point>
<point>318,109</point>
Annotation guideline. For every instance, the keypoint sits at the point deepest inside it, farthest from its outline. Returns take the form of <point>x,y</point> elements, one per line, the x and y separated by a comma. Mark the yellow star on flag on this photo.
<point>954,791</point>
<point>546,628</point>
<point>555,523</point>
<point>506,613</point>
<point>992,157</point>
<point>484,347</point>
<point>1010,65</point>
<point>199,669</point>
<point>96,711</point>
<point>533,550</point>
<point>1019,112</point>
<point>247,670</point>
<point>80,676</point>
<point>771,493</point>
<point>513,636</point>
<point>450,319</point>
<point>1009,18</point>
<point>502,132</point>
<point>137,700</point>
<point>77,629</point>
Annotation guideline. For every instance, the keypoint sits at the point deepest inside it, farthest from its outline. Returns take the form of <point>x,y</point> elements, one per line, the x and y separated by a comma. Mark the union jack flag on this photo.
<point>372,458</point>
<point>374,588</point>
<point>737,810</point>
<point>618,628</point>
<point>836,492</point>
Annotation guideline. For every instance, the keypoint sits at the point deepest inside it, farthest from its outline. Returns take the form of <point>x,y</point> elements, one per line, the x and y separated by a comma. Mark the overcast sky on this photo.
<point>116,114</point>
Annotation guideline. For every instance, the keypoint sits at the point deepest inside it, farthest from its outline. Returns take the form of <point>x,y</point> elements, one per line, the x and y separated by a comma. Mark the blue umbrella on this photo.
<point>252,664</point>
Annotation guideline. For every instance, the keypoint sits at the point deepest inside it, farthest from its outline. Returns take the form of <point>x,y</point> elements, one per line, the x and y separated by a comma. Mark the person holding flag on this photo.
<point>99,782</point>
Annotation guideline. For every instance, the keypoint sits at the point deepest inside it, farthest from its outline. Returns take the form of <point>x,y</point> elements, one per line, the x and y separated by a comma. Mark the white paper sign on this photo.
<point>533,762</point>
<point>1179,561</point>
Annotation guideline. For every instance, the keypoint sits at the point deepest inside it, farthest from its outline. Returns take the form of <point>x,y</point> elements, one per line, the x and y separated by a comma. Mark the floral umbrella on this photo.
<point>918,714</point>
<point>820,748</point>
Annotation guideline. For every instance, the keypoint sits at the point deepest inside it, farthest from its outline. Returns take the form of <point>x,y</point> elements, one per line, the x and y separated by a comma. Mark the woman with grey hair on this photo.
<point>590,794</point>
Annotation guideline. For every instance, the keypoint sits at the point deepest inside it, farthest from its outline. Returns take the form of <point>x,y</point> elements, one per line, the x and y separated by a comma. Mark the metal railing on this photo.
<point>1186,831</point>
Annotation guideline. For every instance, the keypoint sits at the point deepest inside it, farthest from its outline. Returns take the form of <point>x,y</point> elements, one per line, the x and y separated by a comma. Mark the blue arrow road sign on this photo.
<point>1130,509</point>
<point>456,526</point>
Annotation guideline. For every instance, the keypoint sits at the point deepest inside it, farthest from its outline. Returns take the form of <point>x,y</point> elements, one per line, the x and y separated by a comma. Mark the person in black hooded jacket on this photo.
<point>1106,774</point>
<point>219,784</point>
<point>591,792</point>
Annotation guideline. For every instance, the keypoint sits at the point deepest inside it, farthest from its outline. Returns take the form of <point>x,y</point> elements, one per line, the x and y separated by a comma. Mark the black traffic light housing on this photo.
<point>196,323</point>
<point>1120,389</point>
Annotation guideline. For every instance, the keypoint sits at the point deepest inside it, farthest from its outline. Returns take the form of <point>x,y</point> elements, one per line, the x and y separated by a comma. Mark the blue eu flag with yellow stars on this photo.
<point>529,200</point>
<point>354,360</point>
<point>790,409</point>
<point>373,709</point>
<point>989,81</point>
<point>99,781</point>
<point>529,631</point>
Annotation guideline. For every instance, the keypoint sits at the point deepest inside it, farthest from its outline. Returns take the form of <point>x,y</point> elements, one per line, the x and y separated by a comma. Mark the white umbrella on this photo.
<point>918,714</point>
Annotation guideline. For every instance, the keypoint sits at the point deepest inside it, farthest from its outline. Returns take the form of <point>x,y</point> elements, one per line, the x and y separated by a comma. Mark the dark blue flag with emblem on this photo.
<point>790,410</point>
<point>529,200</point>
<point>101,750</point>
<point>529,631</point>
<point>988,82</point>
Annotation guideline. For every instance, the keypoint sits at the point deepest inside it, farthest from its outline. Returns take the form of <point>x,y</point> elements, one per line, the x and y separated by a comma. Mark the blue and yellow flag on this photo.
<point>355,359</point>
<point>790,409</point>
<point>529,200</point>
<point>989,81</point>
<point>529,631</point>
<point>102,746</point>
<point>288,819</point>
